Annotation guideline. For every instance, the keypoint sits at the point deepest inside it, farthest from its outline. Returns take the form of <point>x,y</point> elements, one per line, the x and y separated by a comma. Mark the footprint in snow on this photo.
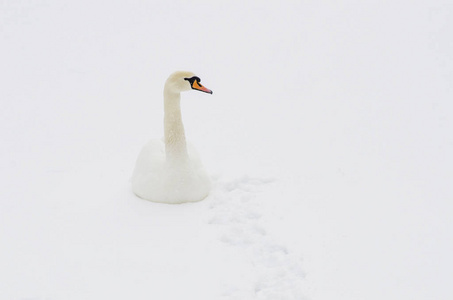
<point>237,210</point>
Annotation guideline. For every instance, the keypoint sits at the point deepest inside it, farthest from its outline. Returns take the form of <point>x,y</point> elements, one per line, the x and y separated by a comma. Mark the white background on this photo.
<point>328,139</point>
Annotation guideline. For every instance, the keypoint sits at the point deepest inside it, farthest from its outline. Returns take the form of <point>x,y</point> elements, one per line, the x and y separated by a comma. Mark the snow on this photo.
<point>328,140</point>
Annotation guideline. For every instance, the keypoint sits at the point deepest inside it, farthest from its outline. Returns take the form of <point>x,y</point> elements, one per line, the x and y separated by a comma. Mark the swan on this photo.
<point>169,170</point>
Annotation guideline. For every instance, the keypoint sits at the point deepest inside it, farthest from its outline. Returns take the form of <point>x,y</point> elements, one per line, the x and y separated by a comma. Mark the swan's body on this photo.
<point>170,170</point>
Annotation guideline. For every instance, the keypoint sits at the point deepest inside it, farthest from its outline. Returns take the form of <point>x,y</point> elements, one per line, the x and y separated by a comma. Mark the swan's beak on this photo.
<point>198,86</point>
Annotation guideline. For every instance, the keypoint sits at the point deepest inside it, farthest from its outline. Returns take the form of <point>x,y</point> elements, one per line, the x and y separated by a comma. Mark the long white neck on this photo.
<point>175,139</point>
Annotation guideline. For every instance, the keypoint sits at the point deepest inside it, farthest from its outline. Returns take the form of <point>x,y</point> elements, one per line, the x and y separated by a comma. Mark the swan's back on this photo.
<point>157,180</point>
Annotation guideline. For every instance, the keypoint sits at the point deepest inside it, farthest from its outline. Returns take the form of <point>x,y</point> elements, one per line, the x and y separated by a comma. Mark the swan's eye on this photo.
<point>193,79</point>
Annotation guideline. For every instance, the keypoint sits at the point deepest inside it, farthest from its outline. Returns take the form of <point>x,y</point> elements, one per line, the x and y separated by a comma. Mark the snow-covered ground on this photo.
<point>328,139</point>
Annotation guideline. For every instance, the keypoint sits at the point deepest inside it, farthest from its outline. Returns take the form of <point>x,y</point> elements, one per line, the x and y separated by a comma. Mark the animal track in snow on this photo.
<point>237,209</point>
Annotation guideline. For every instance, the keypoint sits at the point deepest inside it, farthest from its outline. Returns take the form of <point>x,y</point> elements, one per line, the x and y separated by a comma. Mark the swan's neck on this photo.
<point>175,139</point>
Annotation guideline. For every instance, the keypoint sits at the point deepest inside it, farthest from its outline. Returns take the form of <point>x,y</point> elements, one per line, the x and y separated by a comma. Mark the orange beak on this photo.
<point>198,86</point>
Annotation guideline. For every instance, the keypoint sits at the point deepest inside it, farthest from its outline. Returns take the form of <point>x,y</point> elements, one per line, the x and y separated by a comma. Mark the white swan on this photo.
<point>170,170</point>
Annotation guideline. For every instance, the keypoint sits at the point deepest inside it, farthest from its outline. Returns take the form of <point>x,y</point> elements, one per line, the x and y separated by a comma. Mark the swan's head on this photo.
<point>182,81</point>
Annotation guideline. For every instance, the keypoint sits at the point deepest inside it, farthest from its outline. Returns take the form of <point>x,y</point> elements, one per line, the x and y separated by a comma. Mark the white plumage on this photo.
<point>170,170</point>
